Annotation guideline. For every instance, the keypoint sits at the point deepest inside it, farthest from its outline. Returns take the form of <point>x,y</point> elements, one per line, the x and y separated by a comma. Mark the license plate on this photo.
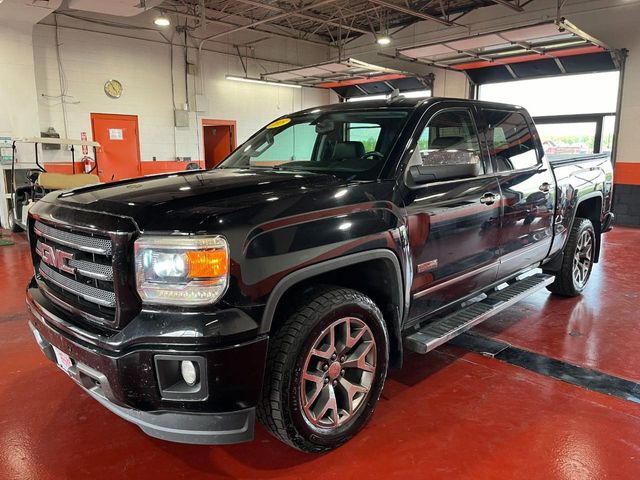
<point>64,360</point>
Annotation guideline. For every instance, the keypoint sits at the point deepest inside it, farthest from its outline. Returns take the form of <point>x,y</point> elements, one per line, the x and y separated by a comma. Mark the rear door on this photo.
<point>527,188</point>
<point>119,155</point>
<point>453,224</point>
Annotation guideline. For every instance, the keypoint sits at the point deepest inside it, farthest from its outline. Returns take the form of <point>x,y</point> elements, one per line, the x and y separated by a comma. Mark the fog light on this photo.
<point>189,371</point>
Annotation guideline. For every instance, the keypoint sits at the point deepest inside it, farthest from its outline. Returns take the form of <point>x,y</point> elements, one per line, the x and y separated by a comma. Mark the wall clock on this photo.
<point>113,88</point>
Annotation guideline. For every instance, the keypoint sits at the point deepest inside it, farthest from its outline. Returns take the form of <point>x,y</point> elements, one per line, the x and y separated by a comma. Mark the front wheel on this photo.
<point>325,372</point>
<point>579,255</point>
<point>13,226</point>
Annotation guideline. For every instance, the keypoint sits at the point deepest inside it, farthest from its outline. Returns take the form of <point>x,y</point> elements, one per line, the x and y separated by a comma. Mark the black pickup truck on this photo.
<point>285,282</point>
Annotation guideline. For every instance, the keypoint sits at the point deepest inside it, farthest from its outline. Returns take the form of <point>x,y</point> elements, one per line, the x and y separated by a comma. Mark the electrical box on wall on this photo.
<point>202,103</point>
<point>50,133</point>
<point>181,118</point>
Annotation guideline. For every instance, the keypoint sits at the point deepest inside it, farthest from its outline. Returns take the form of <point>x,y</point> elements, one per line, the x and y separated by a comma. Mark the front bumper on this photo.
<point>126,382</point>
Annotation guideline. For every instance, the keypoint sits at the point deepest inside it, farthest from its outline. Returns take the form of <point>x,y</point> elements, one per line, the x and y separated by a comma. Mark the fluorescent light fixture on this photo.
<point>383,40</point>
<point>262,82</point>
<point>366,98</point>
<point>162,20</point>
<point>414,94</point>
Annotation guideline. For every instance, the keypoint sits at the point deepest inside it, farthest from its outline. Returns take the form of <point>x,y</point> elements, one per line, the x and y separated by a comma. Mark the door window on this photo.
<point>512,144</point>
<point>450,138</point>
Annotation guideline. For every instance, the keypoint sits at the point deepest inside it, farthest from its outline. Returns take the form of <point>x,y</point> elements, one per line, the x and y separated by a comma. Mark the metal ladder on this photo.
<point>441,331</point>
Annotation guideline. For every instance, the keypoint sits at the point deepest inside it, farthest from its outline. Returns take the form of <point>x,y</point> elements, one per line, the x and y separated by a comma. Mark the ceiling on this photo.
<point>325,21</point>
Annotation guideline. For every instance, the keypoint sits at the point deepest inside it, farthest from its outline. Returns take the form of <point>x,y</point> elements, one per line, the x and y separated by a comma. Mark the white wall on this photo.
<point>18,106</point>
<point>144,68</point>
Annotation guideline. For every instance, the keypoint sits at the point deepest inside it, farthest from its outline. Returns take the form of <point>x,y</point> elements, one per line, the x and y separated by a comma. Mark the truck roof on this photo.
<point>401,103</point>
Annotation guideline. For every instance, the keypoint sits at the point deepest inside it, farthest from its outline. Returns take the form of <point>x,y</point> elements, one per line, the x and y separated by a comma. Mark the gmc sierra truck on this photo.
<point>285,282</point>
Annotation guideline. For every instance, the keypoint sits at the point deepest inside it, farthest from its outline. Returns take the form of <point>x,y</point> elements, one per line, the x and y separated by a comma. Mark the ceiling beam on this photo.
<point>319,19</point>
<point>413,13</point>
<point>226,23</point>
<point>267,20</point>
<point>512,6</point>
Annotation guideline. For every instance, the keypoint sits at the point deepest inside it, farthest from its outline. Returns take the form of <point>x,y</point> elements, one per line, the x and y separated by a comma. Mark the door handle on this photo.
<point>545,187</point>
<point>489,198</point>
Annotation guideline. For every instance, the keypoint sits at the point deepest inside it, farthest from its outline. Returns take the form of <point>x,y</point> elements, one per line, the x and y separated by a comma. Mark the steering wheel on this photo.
<point>374,154</point>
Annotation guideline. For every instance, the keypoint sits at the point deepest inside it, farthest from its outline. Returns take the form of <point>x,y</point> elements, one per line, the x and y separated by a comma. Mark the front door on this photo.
<point>119,154</point>
<point>527,189</point>
<point>453,225</point>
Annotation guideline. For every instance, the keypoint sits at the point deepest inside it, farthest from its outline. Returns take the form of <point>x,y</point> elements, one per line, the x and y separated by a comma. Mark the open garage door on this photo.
<point>352,78</point>
<point>543,49</point>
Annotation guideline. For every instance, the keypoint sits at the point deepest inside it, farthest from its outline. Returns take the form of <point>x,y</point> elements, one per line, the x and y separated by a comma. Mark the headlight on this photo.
<point>182,270</point>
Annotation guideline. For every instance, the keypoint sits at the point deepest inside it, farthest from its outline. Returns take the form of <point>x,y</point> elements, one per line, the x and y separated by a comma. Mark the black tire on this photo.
<point>281,409</point>
<point>13,226</point>
<point>566,283</point>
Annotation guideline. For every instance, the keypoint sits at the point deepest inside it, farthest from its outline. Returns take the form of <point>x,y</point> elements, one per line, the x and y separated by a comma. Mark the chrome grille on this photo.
<point>89,293</point>
<point>101,246</point>
<point>77,269</point>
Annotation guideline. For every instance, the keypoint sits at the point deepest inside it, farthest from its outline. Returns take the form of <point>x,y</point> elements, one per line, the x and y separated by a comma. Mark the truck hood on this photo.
<point>187,201</point>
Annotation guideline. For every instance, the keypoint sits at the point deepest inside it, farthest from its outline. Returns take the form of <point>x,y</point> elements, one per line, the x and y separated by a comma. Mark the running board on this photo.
<point>441,331</point>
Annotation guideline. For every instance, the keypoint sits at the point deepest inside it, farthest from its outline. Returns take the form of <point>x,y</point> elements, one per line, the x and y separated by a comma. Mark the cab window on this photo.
<point>450,138</point>
<point>511,141</point>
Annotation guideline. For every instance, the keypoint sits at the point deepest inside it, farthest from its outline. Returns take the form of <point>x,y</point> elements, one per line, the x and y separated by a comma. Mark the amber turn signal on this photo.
<point>207,263</point>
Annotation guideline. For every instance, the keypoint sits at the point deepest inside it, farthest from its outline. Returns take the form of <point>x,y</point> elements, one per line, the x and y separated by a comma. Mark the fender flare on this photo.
<point>556,261</point>
<point>316,269</point>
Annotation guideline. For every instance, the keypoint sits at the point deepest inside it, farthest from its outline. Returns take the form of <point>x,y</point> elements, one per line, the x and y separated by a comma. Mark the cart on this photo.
<point>37,182</point>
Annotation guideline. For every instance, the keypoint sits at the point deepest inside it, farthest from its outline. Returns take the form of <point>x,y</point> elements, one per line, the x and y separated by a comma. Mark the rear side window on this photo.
<point>511,140</point>
<point>450,138</point>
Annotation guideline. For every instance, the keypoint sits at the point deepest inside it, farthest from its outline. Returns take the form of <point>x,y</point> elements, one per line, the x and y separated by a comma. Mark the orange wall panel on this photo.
<point>627,174</point>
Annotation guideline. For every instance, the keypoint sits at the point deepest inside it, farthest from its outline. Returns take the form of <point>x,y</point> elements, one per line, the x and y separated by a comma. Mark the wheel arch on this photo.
<point>342,272</point>
<point>590,206</point>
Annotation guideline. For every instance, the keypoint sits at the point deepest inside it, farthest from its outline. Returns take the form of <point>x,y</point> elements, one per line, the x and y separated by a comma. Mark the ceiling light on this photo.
<point>262,82</point>
<point>384,40</point>
<point>162,20</point>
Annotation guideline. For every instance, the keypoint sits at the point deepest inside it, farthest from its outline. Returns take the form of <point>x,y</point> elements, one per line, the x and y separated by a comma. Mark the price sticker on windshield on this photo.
<point>279,123</point>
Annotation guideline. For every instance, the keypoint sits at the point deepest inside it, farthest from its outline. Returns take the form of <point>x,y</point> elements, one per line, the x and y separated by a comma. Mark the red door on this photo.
<point>119,155</point>
<point>219,140</point>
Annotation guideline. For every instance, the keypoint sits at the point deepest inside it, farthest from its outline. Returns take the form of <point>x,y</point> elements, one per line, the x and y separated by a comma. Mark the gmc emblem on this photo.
<point>55,258</point>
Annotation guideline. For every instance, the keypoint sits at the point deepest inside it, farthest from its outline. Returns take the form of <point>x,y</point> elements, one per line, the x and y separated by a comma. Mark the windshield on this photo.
<point>351,144</point>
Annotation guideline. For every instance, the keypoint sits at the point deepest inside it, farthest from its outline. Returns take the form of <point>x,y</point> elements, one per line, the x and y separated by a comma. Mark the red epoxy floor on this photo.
<point>598,330</point>
<point>451,414</point>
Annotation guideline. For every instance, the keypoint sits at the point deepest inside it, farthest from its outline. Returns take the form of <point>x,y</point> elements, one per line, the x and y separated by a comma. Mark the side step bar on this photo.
<point>441,331</point>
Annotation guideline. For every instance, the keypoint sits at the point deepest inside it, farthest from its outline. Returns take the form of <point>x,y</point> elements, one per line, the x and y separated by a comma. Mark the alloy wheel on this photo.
<point>583,258</point>
<point>338,373</point>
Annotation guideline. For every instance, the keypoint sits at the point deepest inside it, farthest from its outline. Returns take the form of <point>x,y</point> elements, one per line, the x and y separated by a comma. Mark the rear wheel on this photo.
<point>326,369</point>
<point>578,260</point>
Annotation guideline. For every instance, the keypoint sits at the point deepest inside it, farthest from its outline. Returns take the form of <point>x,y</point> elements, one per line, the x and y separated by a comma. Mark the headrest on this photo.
<point>63,181</point>
<point>348,150</point>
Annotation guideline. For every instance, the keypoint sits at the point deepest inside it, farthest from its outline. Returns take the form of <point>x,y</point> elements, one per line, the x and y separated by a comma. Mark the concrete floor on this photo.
<point>451,414</point>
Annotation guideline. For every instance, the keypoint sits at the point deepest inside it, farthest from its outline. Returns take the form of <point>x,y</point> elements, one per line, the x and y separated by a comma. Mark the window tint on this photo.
<point>512,144</point>
<point>450,138</point>
<point>295,143</point>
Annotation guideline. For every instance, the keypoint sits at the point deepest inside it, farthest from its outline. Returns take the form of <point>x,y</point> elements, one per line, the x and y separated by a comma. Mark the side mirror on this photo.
<point>420,174</point>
